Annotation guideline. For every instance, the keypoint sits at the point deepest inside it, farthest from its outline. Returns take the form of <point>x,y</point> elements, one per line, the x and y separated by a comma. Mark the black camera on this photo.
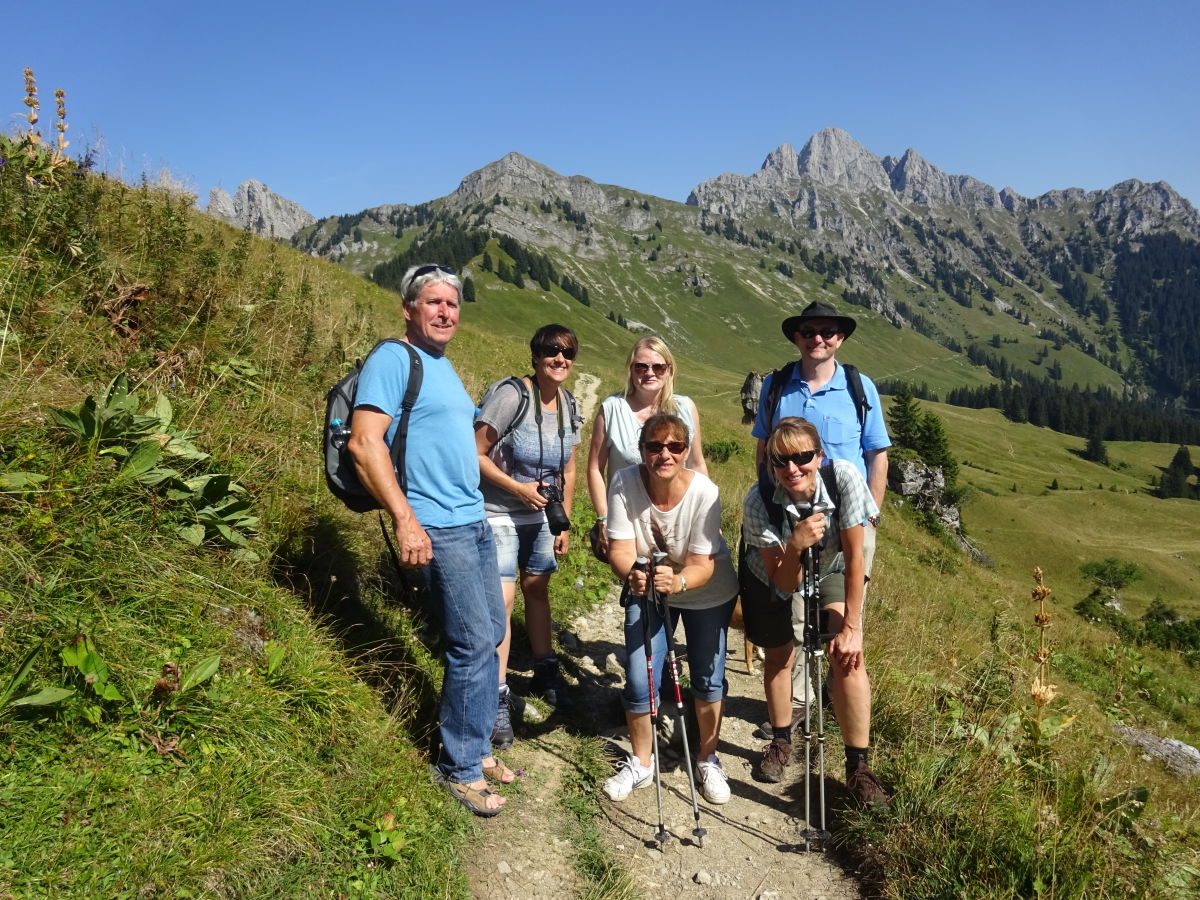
<point>556,516</point>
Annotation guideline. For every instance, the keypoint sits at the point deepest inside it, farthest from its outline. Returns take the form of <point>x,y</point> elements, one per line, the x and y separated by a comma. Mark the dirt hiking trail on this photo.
<point>753,846</point>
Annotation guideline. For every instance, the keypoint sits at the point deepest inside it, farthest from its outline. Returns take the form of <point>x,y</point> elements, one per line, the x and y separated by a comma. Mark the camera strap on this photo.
<point>536,390</point>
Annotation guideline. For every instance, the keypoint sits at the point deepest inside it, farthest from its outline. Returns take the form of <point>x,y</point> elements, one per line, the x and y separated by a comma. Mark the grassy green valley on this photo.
<point>211,685</point>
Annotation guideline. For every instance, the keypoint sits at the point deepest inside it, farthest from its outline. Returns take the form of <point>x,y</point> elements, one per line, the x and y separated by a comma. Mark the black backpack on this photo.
<point>783,375</point>
<point>340,473</point>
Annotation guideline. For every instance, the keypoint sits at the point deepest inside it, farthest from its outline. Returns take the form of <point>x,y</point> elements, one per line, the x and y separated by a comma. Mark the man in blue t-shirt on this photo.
<point>819,392</point>
<point>439,522</point>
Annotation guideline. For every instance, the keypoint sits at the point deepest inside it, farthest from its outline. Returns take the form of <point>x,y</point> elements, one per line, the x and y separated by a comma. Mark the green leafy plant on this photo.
<point>46,696</point>
<point>93,672</point>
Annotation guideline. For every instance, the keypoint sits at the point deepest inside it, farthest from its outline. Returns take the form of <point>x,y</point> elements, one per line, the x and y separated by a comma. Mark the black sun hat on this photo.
<point>817,310</point>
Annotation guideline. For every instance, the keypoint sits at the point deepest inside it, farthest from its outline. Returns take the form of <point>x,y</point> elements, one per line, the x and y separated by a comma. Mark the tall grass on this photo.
<point>184,706</point>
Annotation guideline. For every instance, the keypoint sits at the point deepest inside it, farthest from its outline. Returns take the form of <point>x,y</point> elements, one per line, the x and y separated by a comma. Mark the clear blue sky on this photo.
<point>341,106</point>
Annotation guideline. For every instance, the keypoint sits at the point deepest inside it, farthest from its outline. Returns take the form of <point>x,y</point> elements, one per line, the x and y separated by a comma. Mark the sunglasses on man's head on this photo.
<point>803,458</point>
<point>549,351</point>
<point>809,333</point>
<point>425,270</point>
<point>656,447</point>
<point>643,368</point>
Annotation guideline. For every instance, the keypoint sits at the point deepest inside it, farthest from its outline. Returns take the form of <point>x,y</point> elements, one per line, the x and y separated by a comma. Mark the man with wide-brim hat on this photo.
<point>844,406</point>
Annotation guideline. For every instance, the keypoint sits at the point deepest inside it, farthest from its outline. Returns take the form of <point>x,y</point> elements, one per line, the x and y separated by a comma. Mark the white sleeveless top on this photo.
<point>622,430</point>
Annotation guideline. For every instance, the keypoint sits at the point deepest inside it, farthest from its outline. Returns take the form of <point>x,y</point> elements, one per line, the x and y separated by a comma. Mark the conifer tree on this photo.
<point>904,417</point>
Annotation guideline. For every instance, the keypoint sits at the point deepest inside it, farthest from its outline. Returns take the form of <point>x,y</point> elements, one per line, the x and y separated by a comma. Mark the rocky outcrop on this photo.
<point>924,488</point>
<point>257,209</point>
<point>1182,759</point>
<point>517,176</point>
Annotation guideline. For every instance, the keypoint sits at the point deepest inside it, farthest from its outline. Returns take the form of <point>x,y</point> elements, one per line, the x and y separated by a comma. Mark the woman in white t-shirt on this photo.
<point>649,390</point>
<point>662,506</point>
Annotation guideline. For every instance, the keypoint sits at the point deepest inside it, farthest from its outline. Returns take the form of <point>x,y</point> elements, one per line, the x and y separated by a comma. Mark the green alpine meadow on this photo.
<point>213,684</point>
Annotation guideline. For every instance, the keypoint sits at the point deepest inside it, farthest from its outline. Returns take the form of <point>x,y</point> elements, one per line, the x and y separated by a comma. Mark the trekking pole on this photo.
<point>647,604</point>
<point>814,649</point>
<point>660,603</point>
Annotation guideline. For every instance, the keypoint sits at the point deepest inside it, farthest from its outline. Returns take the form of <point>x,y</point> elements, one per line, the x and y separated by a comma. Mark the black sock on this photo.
<point>855,757</point>
<point>782,734</point>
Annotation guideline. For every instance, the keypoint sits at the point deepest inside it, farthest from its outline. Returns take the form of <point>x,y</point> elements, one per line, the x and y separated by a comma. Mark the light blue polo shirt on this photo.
<point>832,410</point>
<point>441,463</point>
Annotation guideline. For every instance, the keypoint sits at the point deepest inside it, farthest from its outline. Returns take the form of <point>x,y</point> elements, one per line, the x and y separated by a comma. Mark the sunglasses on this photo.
<point>803,458</point>
<point>426,270</point>
<point>656,447</point>
<point>643,368</point>
<point>549,351</point>
<point>827,333</point>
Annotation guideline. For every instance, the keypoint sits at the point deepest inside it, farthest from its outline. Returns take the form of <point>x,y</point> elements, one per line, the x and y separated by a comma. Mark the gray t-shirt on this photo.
<point>520,455</point>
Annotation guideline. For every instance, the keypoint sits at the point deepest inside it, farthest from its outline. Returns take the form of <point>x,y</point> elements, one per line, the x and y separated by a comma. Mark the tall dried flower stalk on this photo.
<point>1042,691</point>
<point>32,136</point>
<point>60,101</point>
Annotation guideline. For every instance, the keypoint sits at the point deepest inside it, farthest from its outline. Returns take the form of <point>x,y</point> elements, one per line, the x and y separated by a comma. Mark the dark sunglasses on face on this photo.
<point>809,333</point>
<point>425,270</point>
<point>828,334</point>
<point>656,447</point>
<point>643,368</point>
<point>803,458</point>
<point>549,351</point>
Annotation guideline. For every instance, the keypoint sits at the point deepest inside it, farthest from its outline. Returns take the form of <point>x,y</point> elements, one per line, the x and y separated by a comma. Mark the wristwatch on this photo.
<point>874,520</point>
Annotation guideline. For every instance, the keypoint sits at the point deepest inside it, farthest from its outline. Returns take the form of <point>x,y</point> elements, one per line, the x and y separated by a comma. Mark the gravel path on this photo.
<point>753,846</point>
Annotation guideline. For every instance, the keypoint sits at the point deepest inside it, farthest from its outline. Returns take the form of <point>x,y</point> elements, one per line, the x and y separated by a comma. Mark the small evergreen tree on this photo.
<point>1095,449</point>
<point>904,417</point>
<point>468,290</point>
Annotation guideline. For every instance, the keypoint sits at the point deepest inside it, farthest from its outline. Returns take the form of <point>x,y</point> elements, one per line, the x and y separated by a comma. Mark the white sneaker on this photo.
<point>630,776</point>
<point>713,783</point>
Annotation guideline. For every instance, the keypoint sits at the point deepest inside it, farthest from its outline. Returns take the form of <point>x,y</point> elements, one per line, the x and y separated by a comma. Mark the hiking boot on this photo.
<point>767,732</point>
<point>502,731</point>
<point>630,776</point>
<point>713,783</point>
<point>548,681</point>
<point>866,786</point>
<point>777,756</point>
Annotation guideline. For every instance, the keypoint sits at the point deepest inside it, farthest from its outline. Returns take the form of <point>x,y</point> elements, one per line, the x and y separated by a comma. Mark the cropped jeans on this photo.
<point>465,584</point>
<point>705,631</point>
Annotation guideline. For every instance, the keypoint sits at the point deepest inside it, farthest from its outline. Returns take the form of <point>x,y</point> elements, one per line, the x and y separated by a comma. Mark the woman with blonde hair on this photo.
<point>649,390</point>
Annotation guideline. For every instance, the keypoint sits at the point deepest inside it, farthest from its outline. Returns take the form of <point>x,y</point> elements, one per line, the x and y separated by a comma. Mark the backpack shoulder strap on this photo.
<point>857,394</point>
<point>572,410</point>
<point>779,378</point>
<point>829,476</point>
<point>524,392</point>
<point>766,493</point>
<point>416,374</point>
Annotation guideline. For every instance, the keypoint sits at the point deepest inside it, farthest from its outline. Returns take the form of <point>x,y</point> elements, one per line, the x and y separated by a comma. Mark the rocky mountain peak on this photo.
<point>259,210</point>
<point>832,158</point>
<point>517,176</point>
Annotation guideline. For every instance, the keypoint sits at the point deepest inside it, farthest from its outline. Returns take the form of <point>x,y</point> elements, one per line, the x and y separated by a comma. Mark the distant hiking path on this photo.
<point>750,847</point>
<point>585,394</point>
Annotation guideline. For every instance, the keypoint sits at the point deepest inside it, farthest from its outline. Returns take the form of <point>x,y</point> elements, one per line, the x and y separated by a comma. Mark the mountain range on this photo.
<point>1098,288</point>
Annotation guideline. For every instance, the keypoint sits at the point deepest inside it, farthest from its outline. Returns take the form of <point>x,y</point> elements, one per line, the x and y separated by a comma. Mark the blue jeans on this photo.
<point>465,585</point>
<point>704,630</point>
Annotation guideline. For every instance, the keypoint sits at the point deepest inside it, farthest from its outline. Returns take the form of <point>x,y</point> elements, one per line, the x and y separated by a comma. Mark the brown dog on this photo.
<point>735,621</point>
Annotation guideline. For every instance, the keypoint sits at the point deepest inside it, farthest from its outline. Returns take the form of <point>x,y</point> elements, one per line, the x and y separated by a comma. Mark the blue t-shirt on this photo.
<point>440,461</point>
<point>832,410</point>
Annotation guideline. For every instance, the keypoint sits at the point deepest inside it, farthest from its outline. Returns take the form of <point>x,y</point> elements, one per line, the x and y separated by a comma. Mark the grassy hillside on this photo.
<point>209,683</point>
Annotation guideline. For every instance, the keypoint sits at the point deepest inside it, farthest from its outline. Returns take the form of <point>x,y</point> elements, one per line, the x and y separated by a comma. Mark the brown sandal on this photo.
<point>499,773</point>
<point>473,799</point>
